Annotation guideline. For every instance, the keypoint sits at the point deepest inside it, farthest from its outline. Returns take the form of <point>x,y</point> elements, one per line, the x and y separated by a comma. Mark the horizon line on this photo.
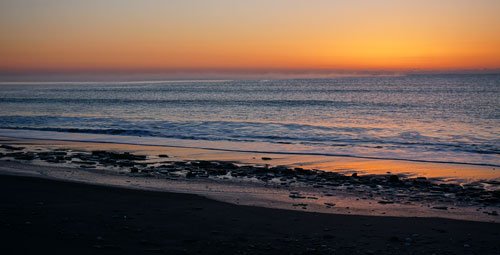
<point>216,74</point>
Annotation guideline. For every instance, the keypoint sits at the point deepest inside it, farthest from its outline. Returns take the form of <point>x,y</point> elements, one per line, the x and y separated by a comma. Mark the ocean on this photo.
<point>430,118</point>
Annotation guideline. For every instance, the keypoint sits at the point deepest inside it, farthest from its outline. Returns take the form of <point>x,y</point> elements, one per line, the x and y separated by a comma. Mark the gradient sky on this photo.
<point>142,35</point>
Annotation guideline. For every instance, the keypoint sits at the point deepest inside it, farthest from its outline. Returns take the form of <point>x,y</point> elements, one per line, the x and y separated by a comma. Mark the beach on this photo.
<point>227,177</point>
<point>198,167</point>
<point>250,127</point>
<point>46,216</point>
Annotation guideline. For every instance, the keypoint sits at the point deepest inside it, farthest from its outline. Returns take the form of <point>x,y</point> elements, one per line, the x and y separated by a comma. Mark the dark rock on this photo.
<point>114,155</point>
<point>385,202</point>
<point>217,171</point>
<point>279,169</point>
<point>440,207</point>
<point>394,178</point>
<point>296,196</point>
<point>266,158</point>
<point>228,165</point>
<point>59,153</point>
<point>11,148</point>
<point>46,156</point>
<point>26,156</point>
<point>492,213</point>
<point>495,193</point>
<point>163,156</point>
<point>125,163</point>
<point>134,170</point>
<point>14,154</point>
<point>205,164</point>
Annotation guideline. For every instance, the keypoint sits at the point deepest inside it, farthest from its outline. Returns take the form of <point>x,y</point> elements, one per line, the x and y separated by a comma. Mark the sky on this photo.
<point>293,36</point>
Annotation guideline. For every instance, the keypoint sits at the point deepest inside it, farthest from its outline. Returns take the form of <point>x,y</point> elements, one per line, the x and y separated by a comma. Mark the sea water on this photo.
<point>436,118</point>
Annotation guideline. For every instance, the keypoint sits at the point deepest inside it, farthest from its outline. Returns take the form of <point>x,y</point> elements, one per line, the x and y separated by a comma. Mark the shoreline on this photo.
<point>289,153</point>
<point>266,186</point>
<point>109,220</point>
<point>254,194</point>
<point>447,171</point>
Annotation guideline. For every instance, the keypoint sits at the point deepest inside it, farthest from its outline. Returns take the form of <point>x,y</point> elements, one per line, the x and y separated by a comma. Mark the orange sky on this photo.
<point>146,35</point>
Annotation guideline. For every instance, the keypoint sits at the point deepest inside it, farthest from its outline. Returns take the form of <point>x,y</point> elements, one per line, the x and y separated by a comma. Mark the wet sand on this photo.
<point>49,207</point>
<point>40,216</point>
<point>238,182</point>
<point>176,149</point>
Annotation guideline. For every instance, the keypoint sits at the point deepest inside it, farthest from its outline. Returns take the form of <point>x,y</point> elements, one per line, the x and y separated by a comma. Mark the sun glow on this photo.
<point>198,35</point>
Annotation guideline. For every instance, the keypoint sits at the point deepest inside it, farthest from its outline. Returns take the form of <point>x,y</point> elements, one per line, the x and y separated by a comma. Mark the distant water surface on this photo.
<point>445,118</point>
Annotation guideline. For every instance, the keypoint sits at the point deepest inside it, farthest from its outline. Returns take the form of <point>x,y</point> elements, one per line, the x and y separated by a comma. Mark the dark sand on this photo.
<point>39,216</point>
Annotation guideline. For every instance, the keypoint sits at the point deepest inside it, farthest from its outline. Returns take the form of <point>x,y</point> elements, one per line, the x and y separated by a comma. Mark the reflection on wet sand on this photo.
<point>448,172</point>
<point>294,182</point>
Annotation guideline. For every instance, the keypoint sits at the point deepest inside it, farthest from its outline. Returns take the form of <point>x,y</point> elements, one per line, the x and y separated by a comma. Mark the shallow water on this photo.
<point>443,118</point>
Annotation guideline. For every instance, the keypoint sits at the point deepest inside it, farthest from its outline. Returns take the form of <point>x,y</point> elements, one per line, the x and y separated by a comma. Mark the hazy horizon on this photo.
<point>124,76</point>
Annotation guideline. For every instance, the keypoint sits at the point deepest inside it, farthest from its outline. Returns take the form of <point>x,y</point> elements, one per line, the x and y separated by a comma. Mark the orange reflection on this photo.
<point>347,165</point>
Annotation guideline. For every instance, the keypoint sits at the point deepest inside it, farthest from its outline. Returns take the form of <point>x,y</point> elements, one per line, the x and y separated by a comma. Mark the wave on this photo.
<point>243,149</point>
<point>443,118</point>
<point>207,102</point>
<point>205,131</point>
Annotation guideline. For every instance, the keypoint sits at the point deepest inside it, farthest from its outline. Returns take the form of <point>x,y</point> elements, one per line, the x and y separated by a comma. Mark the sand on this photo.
<point>40,216</point>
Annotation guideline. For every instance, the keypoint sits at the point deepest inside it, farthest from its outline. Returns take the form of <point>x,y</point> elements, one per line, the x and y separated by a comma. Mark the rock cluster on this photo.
<point>391,188</point>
